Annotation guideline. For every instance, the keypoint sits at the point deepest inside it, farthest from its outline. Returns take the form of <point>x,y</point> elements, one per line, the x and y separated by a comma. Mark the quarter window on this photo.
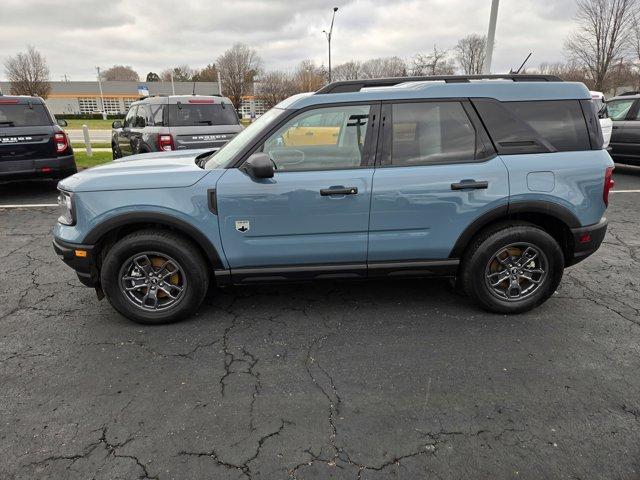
<point>321,139</point>
<point>431,133</point>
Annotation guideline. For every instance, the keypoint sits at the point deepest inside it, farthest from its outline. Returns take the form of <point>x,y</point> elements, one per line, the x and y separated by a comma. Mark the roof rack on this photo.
<point>357,85</point>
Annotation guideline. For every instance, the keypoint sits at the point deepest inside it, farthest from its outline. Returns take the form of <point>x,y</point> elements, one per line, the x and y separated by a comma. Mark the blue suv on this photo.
<point>498,181</point>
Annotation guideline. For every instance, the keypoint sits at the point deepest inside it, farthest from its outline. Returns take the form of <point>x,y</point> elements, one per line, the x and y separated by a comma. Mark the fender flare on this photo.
<point>505,212</point>
<point>132,218</point>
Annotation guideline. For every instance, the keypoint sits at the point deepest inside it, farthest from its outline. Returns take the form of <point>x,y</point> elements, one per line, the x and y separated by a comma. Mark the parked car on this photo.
<point>624,110</point>
<point>501,184</point>
<point>159,124</point>
<point>606,124</point>
<point>32,143</point>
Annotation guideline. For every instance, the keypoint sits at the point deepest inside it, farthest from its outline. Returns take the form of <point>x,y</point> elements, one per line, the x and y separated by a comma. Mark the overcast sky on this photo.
<point>77,35</point>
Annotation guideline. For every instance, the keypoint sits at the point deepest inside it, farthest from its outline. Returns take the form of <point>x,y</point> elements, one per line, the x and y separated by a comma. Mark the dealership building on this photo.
<point>85,97</point>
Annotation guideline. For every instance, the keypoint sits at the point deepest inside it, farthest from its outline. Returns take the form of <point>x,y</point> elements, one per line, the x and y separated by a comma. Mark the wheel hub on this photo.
<point>516,272</point>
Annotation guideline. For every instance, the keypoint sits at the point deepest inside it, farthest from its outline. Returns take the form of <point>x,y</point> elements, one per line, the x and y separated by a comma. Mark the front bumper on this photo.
<point>81,258</point>
<point>586,240</point>
<point>54,167</point>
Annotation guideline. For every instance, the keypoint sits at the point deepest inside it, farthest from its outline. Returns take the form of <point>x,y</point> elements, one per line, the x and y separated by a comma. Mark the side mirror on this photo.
<point>116,124</point>
<point>259,165</point>
<point>62,122</point>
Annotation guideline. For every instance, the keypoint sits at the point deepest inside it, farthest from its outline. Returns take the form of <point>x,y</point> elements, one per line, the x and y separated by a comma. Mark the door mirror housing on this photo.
<point>62,122</point>
<point>117,124</point>
<point>259,165</point>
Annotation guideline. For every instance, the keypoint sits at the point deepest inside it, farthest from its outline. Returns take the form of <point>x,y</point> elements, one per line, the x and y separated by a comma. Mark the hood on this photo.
<point>149,170</point>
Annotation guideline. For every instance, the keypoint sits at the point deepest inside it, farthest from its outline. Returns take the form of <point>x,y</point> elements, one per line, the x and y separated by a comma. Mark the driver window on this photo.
<point>321,139</point>
<point>129,120</point>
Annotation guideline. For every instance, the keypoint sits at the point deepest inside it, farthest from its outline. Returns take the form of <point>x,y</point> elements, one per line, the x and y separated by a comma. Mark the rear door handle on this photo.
<point>470,184</point>
<point>339,191</point>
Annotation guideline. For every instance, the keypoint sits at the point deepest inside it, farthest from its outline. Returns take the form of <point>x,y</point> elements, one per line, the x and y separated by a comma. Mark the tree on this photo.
<point>437,62</point>
<point>383,68</point>
<point>238,68</point>
<point>122,73</point>
<point>471,51</point>
<point>182,73</point>
<point>207,74</point>
<point>153,77</point>
<point>604,34</point>
<point>308,77</point>
<point>28,73</point>
<point>346,71</point>
<point>275,87</point>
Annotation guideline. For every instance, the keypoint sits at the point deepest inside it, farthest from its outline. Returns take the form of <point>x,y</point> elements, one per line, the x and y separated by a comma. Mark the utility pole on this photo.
<point>173,88</point>
<point>328,35</point>
<point>104,113</point>
<point>491,36</point>
<point>219,83</point>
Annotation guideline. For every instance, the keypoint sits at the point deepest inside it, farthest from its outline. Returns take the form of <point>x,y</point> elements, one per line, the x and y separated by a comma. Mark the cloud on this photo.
<point>150,36</point>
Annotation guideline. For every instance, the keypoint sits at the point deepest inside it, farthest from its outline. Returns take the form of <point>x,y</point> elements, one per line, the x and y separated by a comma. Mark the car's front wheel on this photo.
<point>154,277</point>
<point>115,151</point>
<point>512,268</point>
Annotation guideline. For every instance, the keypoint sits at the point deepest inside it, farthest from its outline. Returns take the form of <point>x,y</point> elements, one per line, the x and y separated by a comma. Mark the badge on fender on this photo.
<point>242,226</point>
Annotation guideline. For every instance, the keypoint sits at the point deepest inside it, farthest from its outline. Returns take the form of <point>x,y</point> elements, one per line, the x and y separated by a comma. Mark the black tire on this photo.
<point>192,267</point>
<point>115,152</point>
<point>480,260</point>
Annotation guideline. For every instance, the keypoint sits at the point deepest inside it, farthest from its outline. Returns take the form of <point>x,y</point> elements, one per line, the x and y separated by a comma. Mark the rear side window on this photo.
<point>23,115</point>
<point>429,133</point>
<point>189,114</point>
<point>619,109</point>
<point>535,126</point>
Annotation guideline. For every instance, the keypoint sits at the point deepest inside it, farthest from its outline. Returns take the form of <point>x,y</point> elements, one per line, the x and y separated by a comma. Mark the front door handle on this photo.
<point>339,191</point>
<point>470,184</point>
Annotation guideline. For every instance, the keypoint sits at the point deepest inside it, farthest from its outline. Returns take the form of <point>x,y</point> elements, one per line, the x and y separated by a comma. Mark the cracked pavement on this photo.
<point>371,380</point>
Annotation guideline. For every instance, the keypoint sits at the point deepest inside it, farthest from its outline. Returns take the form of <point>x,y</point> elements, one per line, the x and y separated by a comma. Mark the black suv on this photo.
<point>158,124</point>
<point>32,144</point>
<point>624,110</point>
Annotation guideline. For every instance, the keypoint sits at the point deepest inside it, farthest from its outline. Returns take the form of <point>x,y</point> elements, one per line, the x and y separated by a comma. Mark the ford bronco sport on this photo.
<point>160,124</point>
<point>499,181</point>
<point>32,144</point>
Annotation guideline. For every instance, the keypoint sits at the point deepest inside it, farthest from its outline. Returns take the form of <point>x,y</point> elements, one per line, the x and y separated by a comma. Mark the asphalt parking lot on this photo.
<point>359,381</point>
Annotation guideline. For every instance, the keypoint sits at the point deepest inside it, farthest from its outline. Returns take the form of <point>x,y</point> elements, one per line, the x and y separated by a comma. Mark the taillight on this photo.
<point>165,142</point>
<point>62,143</point>
<point>608,185</point>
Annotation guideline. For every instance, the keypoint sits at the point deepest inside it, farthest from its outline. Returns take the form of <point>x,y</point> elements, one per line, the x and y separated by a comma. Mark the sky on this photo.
<point>75,36</point>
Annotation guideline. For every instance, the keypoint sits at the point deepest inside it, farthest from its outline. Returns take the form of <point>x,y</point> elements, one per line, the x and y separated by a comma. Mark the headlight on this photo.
<point>67,215</point>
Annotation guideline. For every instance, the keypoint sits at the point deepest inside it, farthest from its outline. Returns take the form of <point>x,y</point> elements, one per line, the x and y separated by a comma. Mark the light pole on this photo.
<point>328,34</point>
<point>491,35</point>
<point>104,113</point>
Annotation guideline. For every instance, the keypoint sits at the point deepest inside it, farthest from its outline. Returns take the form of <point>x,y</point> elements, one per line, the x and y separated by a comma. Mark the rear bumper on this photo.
<point>587,240</point>
<point>54,167</point>
<point>84,266</point>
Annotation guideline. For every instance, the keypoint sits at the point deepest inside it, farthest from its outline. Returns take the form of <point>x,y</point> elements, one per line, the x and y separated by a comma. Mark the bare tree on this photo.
<point>207,74</point>
<point>346,71</point>
<point>238,68</point>
<point>28,73</point>
<point>153,77</point>
<point>181,73</point>
<point>569,72</point>
<point>605,30</point>
<point>471,51</point>
<point>275,87</point>
<point>120,73</point>
<point>309,77</point>
<point>437,62</point>
<point>383,68</point>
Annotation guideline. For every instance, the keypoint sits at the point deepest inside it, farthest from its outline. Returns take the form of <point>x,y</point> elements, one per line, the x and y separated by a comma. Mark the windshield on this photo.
<point>618,109</point>
<point>188,115</point>
<point>23,115</point>
<point>227,153</point>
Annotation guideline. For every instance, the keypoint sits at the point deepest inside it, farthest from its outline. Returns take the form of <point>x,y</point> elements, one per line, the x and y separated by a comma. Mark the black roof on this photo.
<point>357,85</point>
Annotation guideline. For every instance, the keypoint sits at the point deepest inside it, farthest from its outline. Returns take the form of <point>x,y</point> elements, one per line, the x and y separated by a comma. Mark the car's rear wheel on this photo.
<point>154,277</point>
<point>512,268</point>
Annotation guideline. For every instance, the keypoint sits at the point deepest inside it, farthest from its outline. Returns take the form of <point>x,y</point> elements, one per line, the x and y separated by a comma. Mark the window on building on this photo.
<point>112,105</point>
<point>88,105</point>
<point>128,102</point>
